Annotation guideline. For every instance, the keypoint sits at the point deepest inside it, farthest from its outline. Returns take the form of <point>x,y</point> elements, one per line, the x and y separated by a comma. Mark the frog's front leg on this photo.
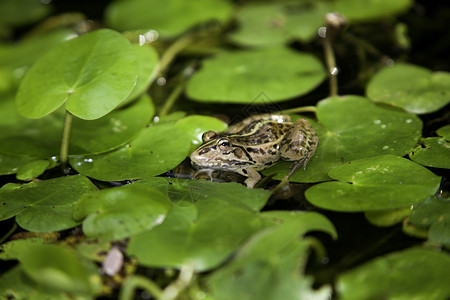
<point>253,177</point>
<point>299,145</point>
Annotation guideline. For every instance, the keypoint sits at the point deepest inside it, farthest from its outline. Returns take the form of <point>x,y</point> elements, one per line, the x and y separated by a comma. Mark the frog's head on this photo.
<point>218,152</point>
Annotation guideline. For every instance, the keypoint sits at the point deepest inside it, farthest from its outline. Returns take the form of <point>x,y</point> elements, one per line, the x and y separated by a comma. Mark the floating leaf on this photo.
<point>387,217</point>
<point>32,169</point>
<point>170,18</point>
<point>91,74</point>
<point>270,24</point>
<point>120,212</point>
<point>201,230</point>
<point>196,125</point>
<point>155,150</point>
<point>21,12</point>
<point>59,269</point>
<point>433,213</point>
<point>375,183</point>
<point>399,275</point>
<point>42,138</point>
<point>10,164</point>
<point>148,66</point>
<point>241,76</point>
<point>52,200</point>
<point>352,127</point>
<point>355,10</point>
<point>273,257</point>
<point>12,249</point>
<point>413,88</point>
<point>194,190</point>
<point>434,151</point>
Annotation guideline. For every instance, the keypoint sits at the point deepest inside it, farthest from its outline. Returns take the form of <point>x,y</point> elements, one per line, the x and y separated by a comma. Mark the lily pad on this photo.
<point>388,217</point>
<point>155,150</point>
<point>120,212</point>
<point>270,24</point>
<point>413,88</point>
<point>375,183</point>
<point>179,190</point>
<point>241,76</point>
<point>10,164</point>
<point>359,11</point>
<point>274,256</point>
<point>434,151</point>
<point>201,230</point>
<point>370,131</point>
<point>170,18</point>
<point>399,275</point>
<point>32,169</point>
<point>91,74</point>
<point>148,67</point>
<point>41,138</point>
<point>434,214</point>
<point>196,125</point>
<point>60,269</point>
<point>52,200</point>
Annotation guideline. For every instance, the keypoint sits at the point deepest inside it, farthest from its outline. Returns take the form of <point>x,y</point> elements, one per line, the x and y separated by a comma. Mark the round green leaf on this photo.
<point>201,234</point>
<point>45,206</point>
<point>387,217</point>
<point>178,189</point>
<point>356,10</point>
<point>58,268</point>
<point>241,76</point>
<point>278,23</point>
<point>120,212</point>
<point>433,213</point>
<point>91,74</point>
<point>155,150</point>
<point>196,125</point>
<point>170,18</point>
<point>375,183</point>
<point>10,164</point>
<point>434,152</point>
<point>352,127</point>
<point>415,273</point>
<point>32,169</point>
<point>20,12</point>
<point>13,248</point>
<point>413,88</point>
<point>148,67</point>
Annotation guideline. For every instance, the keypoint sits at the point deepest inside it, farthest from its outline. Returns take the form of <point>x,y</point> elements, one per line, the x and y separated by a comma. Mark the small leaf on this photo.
<point>32,169</point>
<point>91,74</point>
<point>433,213</point>
<point>375,183</point>
<point>155,150</point>
<point>169,18</point>
<point>241,76</point>
<point>14,248</point>
<point>355,10</point>
<point>434,151</point>
<point>268,24</point>
<point>413,88</point>
<point>399,275</point>
<point>120,212</point>
<point>21,12</point>
<point>389,217</point>
<point>52,200</point>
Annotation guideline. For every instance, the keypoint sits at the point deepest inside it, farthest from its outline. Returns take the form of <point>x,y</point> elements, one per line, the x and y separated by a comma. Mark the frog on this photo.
<point>256,143</point>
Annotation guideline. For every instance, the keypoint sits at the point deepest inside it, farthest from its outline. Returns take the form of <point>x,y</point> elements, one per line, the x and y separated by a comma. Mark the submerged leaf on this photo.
<point>434,151</point>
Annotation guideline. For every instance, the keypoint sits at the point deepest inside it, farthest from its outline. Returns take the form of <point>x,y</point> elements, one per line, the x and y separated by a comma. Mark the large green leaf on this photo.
<point>352,127</point>
<point>201,230</point>
<point>375,183</point>
<point>434,151</point>
<point>91,74</point>
<point>170,18</point>
<point>356,10</point>
<point>415,273</point>
<point>267,24</point>
<point>20,12</point>
<point>155,150</point>
<point>46,205</point>
<point>117,213</point>
<point>242,76</point>
<point>413,88</point>
<point>268,266</point>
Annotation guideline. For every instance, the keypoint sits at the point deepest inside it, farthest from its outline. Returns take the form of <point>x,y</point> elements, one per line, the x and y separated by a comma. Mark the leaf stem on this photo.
<point>171,99</point>
<point>173,50</point>
<point>132,282</point>
<point>8,234</point>
<point>331,66</point>
<point>64,151</point>
<point>173,290</point>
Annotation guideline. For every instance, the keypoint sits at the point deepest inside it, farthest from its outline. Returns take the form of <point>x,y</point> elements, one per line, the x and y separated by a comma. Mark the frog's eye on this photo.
<point>209,135</point>
<point>224,144</point>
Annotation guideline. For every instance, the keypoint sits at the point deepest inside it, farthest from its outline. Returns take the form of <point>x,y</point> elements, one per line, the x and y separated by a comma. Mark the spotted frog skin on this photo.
<point>255,144</point>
